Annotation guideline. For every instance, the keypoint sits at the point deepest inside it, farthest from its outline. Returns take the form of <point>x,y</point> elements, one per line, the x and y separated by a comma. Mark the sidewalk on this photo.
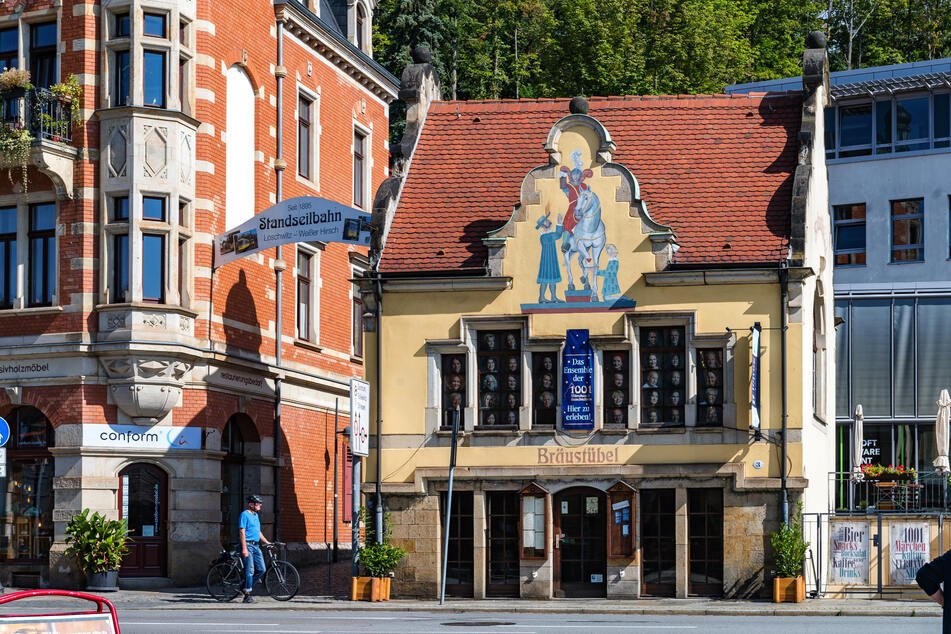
<point>198,599</point>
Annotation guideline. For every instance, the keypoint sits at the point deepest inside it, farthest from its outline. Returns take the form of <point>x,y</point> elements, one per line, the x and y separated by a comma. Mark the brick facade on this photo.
<point>76,359</point>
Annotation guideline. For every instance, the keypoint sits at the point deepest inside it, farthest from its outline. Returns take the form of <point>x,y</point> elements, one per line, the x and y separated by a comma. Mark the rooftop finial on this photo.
<point>578,105</point>
<point>421,55</point>
<point>816,39</point>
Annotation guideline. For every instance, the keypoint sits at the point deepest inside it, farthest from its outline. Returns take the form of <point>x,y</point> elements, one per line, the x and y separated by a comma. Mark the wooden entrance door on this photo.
<point>580,543</point>
<point>143,501</point>
<point>502,562</point>
<point>705,539</point>
<point>460,569</point>
<point>658,542</point>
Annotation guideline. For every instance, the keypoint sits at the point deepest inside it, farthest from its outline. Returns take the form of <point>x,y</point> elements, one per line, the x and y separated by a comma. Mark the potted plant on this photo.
<point>378,561</point>
<point>15,143</point>
<point>98,544</point>
<point>14,82</point>
<point>789,550</point>
<point>879,473</point>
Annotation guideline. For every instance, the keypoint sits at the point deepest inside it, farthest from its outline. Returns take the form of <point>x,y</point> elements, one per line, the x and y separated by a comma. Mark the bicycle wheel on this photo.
<point>282,580</point>
<point>224,581</point>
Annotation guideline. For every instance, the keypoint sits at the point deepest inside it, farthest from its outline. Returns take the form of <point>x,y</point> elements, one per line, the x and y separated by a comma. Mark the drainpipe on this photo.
<point>279,266</point>
<point>379,408</point>
<point>783,291</point>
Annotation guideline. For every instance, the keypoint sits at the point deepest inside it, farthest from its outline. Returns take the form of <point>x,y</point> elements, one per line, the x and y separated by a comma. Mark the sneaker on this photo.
<point>248,598</point>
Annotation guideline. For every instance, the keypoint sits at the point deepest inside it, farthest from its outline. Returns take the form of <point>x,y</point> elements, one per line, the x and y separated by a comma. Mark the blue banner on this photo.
<point>577,379</point>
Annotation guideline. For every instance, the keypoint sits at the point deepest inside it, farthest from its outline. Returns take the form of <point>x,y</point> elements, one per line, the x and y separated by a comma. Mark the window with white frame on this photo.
<point>306,133</point>
<point>356,315</point>
<point>360,155</point>
<point>308,282</point>
<point>28,244</point>
<point>154,236</point>
<point>901,123</point>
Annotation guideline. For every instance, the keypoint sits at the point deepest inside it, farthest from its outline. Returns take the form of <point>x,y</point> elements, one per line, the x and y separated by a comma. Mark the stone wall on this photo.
<point>414,521</point>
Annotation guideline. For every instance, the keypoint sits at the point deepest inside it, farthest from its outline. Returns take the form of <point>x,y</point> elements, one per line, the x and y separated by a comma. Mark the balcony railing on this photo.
<point>926,493</point>
<point>44,114</point>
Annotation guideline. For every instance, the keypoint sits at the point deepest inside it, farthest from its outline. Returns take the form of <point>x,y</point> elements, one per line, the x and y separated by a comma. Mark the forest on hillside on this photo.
<point>501,49</point>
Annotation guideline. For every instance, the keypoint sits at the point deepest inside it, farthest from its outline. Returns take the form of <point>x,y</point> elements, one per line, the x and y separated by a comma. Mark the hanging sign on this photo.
<point>577,400</point>
<point>754,376</point>
<point>359,417</point>
<point>908,551</point>
<point>850,552</point>
<point>302,219</point>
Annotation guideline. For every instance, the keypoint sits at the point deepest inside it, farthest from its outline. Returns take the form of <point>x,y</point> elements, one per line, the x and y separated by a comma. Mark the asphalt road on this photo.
<point>309,621</point>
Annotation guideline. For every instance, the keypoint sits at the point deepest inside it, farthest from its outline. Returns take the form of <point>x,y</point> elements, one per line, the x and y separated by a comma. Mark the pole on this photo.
<point>783,282</point>
<point>355,519</point>
<point>279,290</point>
<point>445,541</point>
<point>336,414</point>
<point>379,409</point>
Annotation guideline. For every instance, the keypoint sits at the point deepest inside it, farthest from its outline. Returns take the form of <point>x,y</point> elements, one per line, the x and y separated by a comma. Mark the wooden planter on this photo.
<point>370,589</point>
<point>789,589</point>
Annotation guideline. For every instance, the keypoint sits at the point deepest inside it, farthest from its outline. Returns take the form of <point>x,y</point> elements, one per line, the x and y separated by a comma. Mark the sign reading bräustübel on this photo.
<point>303,219</point>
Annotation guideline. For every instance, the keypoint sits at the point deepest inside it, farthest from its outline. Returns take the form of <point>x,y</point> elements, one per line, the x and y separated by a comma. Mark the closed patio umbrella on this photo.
<point>941,432</point>
<point>857,437</point>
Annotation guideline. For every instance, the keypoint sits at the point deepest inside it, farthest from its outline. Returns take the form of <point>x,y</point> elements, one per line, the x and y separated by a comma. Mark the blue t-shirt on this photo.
<point>251,524</point>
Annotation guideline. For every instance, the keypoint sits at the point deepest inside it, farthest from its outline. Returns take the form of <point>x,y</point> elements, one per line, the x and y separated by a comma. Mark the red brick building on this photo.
<point>138,381</point>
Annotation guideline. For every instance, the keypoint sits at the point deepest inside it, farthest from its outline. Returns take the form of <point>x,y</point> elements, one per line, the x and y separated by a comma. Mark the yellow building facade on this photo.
<point>599,353</point>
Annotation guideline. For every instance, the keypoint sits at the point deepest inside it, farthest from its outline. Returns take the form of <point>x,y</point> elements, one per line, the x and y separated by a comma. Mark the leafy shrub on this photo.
<point>97,543</point>
<point>789,547</point>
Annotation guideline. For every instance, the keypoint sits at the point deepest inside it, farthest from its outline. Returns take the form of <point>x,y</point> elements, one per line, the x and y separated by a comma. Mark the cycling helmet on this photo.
<point>255,498</point>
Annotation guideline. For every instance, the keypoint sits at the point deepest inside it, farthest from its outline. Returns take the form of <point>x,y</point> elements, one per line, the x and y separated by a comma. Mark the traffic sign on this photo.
<point>359,417</point>
<point>4,432</point>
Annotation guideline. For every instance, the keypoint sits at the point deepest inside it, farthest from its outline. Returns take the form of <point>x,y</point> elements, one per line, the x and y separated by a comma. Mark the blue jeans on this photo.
<point>253,566</point>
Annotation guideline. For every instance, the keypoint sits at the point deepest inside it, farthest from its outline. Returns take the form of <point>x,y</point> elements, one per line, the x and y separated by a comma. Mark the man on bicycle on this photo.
<point>249,528</point>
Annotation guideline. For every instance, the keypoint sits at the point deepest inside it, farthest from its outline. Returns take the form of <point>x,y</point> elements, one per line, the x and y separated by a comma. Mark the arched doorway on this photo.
<point>232,479</point>
<point>580,543</point>
<point>26,509</point>
<point>143,501</point>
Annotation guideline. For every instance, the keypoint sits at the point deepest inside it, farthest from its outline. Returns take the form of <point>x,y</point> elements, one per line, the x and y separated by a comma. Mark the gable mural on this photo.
<point>579,220</point>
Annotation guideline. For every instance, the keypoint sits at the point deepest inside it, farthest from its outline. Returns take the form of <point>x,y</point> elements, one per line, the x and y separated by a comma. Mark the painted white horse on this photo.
<point>586,242</point>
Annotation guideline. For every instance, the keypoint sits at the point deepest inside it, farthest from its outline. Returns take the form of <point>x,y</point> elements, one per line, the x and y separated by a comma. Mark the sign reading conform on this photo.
<point>135,437</point>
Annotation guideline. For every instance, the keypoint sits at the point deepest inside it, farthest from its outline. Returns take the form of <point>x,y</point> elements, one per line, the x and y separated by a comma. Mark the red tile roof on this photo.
<point>717,169</point>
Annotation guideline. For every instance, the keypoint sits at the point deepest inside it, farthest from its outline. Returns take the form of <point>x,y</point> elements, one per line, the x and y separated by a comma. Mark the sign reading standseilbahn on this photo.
<point>302,219</point>
<point>161,437</point>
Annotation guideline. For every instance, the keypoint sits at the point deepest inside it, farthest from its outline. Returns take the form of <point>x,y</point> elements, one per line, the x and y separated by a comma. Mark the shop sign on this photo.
<point>563,456</point>
<point>908,551</point>
<point>850,552</point>
<point>577,407</point>
<point>359,417</point>
<point>302,219</point>
<point>139,437</point>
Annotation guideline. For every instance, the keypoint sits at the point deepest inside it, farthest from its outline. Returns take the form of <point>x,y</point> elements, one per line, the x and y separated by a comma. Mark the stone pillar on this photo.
<point>680,529</point>
<point>479,546</point>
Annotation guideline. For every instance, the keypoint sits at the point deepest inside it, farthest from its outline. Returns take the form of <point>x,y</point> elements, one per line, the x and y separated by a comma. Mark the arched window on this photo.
<point>239,148</point>
<point>232,480</point>
<point>361,25</point>
<point>26,511</point>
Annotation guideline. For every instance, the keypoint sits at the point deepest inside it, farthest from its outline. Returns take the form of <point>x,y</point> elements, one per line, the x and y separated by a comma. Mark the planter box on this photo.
<point>789,589</point>
<point>103,581</point>
<point>370,589</point>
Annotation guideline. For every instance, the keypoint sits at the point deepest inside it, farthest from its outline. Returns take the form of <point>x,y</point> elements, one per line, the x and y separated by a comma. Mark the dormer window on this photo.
<point>361,25</point>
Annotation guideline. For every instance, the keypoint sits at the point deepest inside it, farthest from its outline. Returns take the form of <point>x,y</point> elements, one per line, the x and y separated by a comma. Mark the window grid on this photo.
<point>304,315</point>
<point>42,254</point>
<point>305,110</point>
<point>43,40</point>
<point>709,387</point>
<point>849,229</point>
<point>359,143</point>
<point>616,382</point>
<point>663,372</point>
<point>907,230</point>
<point>453,389</point>
<point>500,373</point>
<point>544,389</point>
<point>880,127</point>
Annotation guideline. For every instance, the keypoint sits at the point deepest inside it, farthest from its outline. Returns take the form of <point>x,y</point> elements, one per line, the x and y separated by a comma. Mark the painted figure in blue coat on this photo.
<point>610,290</point>
<point>549,272</point>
